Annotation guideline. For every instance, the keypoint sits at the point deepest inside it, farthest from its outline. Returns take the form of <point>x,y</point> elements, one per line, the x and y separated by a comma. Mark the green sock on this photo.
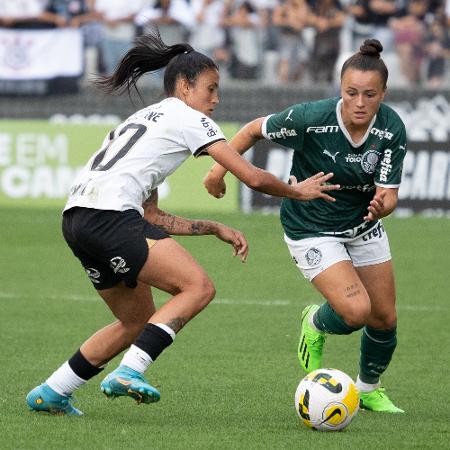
<point>377,347</point>
<point>327,320</point>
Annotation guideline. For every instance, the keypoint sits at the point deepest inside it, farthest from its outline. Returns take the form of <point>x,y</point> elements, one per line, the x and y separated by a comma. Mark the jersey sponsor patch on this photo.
<point>283,133</point>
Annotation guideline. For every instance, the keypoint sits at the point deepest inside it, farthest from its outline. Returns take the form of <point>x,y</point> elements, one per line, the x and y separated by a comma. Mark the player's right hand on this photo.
<point>315,186</point>
<point>215,186</point>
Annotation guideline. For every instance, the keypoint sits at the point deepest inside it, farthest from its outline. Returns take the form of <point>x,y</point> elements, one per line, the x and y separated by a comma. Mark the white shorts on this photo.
<point>313,255</point>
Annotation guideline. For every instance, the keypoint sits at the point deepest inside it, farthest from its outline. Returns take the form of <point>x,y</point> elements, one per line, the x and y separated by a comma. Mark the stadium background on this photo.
<point>229,381</point>
<point>76,124</point>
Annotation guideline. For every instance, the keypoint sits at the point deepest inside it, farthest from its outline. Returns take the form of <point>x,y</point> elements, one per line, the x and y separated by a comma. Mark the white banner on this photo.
<point>40,54</point>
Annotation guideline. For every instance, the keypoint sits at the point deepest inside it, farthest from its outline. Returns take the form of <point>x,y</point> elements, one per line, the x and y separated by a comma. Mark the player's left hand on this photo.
<point>376,207</point>
<point>235,238</point>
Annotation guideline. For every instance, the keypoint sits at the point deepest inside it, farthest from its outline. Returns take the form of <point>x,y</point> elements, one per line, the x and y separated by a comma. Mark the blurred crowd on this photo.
<point>273,41</point>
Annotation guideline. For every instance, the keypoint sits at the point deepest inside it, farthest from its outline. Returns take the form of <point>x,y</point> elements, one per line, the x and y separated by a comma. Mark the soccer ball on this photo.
<point>327,400</point>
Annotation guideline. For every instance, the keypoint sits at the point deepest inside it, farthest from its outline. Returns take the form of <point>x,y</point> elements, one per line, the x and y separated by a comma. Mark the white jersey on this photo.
<point>140,153</point>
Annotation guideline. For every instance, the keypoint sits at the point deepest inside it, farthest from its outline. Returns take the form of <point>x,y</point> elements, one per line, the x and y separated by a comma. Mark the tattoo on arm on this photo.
<point>179,225</point>
<point>177,323</point>
<point>172,224</point>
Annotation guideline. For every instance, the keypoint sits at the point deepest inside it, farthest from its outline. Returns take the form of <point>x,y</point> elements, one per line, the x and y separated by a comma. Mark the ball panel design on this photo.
<point>326,399</point>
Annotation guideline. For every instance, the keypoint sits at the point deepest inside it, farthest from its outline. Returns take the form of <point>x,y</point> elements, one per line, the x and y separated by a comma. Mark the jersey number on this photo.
<point>118,147</point>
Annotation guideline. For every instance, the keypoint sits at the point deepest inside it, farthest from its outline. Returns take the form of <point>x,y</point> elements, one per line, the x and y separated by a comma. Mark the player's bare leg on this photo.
<point>170,268</point>
<point>346,310</point>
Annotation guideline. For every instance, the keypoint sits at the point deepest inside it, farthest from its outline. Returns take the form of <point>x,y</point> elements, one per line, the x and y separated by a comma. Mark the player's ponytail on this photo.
<point>368,58</point>
<point>151,54</point>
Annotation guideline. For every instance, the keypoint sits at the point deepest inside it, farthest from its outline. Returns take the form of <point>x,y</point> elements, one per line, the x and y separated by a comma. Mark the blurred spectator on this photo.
<point>174,18</point>
<point>265,10</point>
<point>291,17</point>
<point>74,12</point>
<point>208,36</point>
<point>118,28</point>
<point>82,14</point>
<point>244,26</point>
<point>437,50</point>
<point>327,18</point>
<point>409,35</point>
<point>28,14</point>
<point>371,20</point>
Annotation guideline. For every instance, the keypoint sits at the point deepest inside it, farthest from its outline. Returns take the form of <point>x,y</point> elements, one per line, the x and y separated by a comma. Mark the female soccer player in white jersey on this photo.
<point>342,247</point>
<point>114,227</point>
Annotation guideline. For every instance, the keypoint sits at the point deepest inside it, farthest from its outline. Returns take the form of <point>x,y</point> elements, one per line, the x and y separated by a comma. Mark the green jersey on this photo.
<point>321,143</point>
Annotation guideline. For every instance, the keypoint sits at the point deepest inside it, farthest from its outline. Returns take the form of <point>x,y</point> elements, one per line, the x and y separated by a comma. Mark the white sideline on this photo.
<point>219,301</point>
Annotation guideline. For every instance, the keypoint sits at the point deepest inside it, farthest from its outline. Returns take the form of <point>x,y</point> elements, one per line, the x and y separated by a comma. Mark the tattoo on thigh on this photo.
<point>352,290</point>
<point>177,323</point>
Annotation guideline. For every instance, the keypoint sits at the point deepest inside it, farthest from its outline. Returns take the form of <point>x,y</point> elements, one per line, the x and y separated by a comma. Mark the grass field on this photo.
<point>228,382</point>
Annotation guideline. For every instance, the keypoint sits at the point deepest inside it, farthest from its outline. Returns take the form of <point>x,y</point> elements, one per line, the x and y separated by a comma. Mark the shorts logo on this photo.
<point>313,256</point>
<point>369,161</point>
<point>93,274</point>
<point>118,265</point>
<point>375,233</point>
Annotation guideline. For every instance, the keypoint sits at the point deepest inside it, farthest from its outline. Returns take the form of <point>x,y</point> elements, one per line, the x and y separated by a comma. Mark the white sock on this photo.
<point>64,380</point>
<point>135,358</point>
<point>366,387</point>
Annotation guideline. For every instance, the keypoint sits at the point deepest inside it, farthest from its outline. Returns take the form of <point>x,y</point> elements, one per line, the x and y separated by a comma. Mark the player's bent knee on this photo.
<point>387,322</point>
<point>356,316</point>
<point>202,290</point>
<point>208,291</point>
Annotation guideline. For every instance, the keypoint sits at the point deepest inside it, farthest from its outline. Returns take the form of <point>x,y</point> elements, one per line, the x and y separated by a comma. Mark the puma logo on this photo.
<point>288,117</point>
<point>333,157</point>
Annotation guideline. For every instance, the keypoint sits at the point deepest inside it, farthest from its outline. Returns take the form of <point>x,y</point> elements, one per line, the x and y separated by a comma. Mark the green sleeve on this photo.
<point>286,127</point>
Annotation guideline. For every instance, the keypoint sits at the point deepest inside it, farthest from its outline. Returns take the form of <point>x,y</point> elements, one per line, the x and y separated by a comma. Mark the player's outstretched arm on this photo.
<point>244,139</point>
<point>175,225</point>
<point>260,180</point>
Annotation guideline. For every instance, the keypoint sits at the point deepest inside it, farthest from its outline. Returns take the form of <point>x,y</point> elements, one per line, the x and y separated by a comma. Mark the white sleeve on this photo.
<point>199,132</point>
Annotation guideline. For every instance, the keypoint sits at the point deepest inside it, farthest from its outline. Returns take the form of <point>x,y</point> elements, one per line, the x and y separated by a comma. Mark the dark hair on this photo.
<point>151,54</point>
<point>367,59</point>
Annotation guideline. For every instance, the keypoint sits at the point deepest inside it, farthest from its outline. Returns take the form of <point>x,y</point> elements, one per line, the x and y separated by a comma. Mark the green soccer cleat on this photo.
<point>44,399</point>
<point>378,401</point>
<point>127,382</point>
<point>311,342</point>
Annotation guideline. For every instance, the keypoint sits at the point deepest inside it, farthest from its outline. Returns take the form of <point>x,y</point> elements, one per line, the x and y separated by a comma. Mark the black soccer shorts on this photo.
<point>111,245</point>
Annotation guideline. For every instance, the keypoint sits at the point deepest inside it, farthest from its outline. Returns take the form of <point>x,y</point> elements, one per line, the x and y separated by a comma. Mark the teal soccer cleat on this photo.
<point>44,399</point>
<point>127,382</point>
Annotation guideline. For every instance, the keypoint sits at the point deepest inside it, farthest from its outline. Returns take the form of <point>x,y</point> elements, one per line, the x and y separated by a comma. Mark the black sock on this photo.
<point>153,340</point>
<point>82,367</point>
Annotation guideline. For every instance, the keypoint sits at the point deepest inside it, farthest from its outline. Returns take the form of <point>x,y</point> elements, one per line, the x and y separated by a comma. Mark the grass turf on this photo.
<point>228,382</point>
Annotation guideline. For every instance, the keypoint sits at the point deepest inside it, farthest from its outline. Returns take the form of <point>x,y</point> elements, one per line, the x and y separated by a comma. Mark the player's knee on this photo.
<point>386,321</point>
<point>207,290</point>
<point>201,289</point>
<point>356,315</point>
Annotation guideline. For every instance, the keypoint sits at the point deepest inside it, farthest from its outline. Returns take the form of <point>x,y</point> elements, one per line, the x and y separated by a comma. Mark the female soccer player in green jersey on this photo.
<point>341,246</point>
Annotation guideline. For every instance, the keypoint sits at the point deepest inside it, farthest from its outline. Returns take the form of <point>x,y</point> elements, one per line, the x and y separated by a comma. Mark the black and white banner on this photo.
<point>425,186</point>
<point>40,54</point>
<point>40,62</point>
